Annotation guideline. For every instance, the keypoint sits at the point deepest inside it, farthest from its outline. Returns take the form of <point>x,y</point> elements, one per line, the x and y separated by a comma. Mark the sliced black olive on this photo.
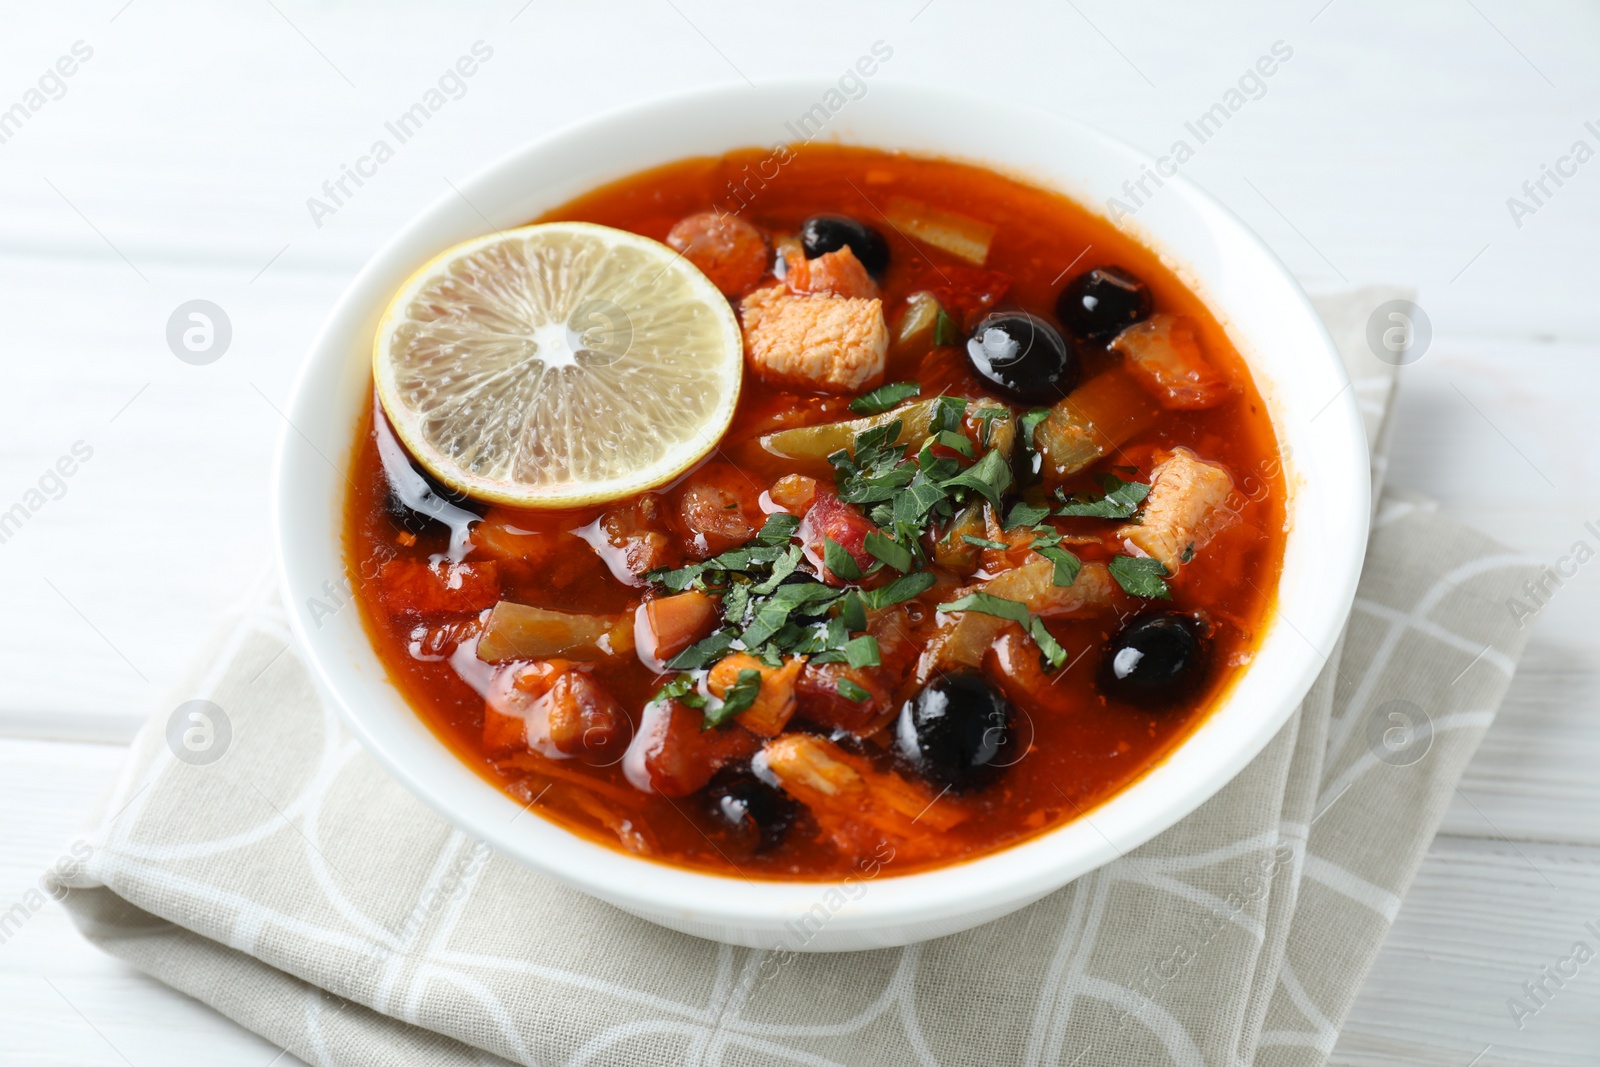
<point>1023,357</point>
<point>955,732</point>
<point>821,234</point>
<point>1100,303</point>
<point>754,813</point>
<point>1155,660</point>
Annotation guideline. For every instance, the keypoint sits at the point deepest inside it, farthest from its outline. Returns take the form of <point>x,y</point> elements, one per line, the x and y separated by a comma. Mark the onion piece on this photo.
<point>961,235</point>
<point>521,631</point>
<point>1093,422</point>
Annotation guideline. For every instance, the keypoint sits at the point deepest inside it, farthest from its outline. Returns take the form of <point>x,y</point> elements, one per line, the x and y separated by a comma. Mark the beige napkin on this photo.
<point>298,889</point>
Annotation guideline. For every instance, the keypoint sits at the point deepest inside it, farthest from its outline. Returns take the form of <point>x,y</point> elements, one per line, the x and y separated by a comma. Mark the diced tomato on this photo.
<point>548,704</point>
<point>582,718</point>
<point>633,540</point>
<point>411,586</point>
<point>831,518</point>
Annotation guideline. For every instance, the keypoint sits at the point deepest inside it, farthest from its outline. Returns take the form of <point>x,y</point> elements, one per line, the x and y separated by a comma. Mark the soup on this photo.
<point>998,515</point>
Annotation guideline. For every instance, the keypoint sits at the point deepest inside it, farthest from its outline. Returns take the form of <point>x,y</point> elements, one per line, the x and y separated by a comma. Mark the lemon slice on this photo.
<point>558,365</point>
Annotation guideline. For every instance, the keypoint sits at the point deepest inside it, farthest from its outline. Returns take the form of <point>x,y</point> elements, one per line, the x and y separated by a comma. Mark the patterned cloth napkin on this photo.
<point>295,887</point>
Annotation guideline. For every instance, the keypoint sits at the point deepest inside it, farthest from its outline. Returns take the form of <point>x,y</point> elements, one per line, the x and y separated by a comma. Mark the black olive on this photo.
<point>1023,357</point>
<point>416,499</point>
<point>1100,303</point>
<point>821,234</point>
<point>1155,660</point>
<point>955,731</point>
<point>753,812</point>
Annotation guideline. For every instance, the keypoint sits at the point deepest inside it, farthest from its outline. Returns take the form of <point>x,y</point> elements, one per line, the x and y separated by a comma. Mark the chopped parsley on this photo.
<point>1023,513</point>
<point>681,688</point>
<point>902,588</point>
<point>945,331</point>
<point>884,397</point>
<point>852,691</point>
<point>1141,576</point>
<point>862,651</point>
<point>839,561</point>
<point>887,550</point>
<point>989,604</point>
<point>1119,501</point>
<point>739,697</point>
<point>773,602</point>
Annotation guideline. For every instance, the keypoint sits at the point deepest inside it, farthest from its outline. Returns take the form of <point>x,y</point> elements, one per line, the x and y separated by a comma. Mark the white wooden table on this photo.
<point>175,163</point>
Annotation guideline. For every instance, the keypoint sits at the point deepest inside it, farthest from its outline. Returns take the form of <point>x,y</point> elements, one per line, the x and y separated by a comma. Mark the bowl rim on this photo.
<point>1014,875</point>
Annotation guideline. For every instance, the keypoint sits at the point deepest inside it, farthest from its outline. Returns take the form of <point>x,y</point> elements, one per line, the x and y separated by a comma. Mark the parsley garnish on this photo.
<point>1119,501</point>
<point>1025,514</point>
<point>990,476</point>
<point>1188,553</point>
<point>1141,576</point>
<point>884,548</point>
<point>862,651</point>
<point>681,688</point>
<point>884,397</point>
<point>989,604</point>
<point>851,691</point>
<point>984,542</point>
<point>840,561</point>
<point>944,330</point>
<point>1047,543</point>
<point>740,695</point>
<point>1053,652</point>
<point>902,588</point>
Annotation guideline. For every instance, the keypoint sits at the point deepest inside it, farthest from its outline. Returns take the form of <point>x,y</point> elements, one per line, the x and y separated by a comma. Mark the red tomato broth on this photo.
<point>1077,747</point>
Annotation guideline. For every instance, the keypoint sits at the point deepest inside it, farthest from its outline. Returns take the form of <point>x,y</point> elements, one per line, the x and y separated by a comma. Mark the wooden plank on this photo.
<point>1481,919</point>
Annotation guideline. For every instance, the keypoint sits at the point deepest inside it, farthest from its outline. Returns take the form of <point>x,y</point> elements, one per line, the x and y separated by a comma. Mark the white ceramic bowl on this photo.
<point>1253,295</point>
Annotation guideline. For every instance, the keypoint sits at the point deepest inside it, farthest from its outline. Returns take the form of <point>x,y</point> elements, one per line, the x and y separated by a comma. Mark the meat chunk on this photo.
<point>633,540</point>
<point>832,343</point>
<point>839,273</point>
<point>671,754</point>
<point>774,704</point>
<point>726,248</point>
<point>719,509</point>
<point>1163,354</point>
<point>1185,508</point>
<point>553,707</point>
<point>858,806</point>
<point>412,587</point>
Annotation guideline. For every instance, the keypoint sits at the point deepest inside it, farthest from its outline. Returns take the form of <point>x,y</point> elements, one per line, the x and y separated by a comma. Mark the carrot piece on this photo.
<point>667,625</point>
<point>774,704</point>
